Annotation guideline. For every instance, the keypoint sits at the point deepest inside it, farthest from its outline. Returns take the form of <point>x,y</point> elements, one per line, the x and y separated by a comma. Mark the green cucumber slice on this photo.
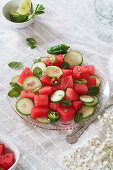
<point>41,65</point>
<point>31,83</point>
<point>94,103</point>
<point>86,98</point>
<point>57,96</point>
<point>93,90</point>
<point>24,106</point>
<point>53,116</point>
<point>73,58</point>
<point>44,58</point>
<point>43,120</point>
<point>87,111</point>
<point>15,80</point>
<point>98,81</point>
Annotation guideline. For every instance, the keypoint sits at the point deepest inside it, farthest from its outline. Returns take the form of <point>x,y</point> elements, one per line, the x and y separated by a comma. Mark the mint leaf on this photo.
<point>38,10</point>
<point>37,60</point>
<point>37,72</point>
<point>93,90</point>
<point>66,102</point>
<point>13,93</point>
<point>31,42</point>
<point>15,86</point>
<point>78,117</point>
<point>15,65</point>
<point>65,65</point>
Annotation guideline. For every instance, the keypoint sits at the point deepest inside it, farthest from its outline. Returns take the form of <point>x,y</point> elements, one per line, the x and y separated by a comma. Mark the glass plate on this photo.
<point>88,59</point>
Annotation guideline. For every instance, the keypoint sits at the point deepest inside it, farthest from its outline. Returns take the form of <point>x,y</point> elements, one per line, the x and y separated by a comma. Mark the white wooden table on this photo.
<point>70,22</point>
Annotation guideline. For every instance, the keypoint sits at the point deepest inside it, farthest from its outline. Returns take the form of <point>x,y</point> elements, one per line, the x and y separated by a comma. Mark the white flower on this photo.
<point>97,153</point>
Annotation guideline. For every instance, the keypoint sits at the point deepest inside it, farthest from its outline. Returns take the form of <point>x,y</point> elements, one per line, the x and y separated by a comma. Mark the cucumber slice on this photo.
<point>73,58</point>
<point>31,83</point>
<point>24,106</point>
<point>44,58</point>
<point>98,81</point>
<point>94,103</point>
<point>41,65</point>
<point>43,120</point>
<point>15,80</point>
<point>86,98</point>
<point>87,111</point>
<point>57,96</point>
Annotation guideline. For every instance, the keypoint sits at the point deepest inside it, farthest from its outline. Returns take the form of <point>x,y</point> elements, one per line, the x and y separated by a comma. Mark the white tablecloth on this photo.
<point>70,22</point>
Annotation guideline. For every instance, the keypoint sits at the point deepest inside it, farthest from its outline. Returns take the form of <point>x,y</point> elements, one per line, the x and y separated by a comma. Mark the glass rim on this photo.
<point>98,11</point>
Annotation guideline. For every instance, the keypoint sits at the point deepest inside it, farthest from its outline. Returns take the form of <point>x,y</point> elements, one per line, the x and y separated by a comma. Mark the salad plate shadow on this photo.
<point>104,94</point>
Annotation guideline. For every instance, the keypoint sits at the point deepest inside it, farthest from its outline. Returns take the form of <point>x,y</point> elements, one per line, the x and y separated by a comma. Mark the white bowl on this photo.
<point>13,6</point>
<point>14,149</point>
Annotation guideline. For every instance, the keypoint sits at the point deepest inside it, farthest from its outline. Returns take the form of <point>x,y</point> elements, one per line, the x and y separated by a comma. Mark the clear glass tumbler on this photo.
<point>104,19</point>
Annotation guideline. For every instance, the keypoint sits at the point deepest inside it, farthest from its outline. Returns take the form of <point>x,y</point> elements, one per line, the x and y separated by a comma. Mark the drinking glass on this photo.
<point>104,19</point>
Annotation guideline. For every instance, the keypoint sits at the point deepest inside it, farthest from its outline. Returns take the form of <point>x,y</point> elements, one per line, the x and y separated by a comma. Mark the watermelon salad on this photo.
<point>6,157</point>
<point>57,87</point>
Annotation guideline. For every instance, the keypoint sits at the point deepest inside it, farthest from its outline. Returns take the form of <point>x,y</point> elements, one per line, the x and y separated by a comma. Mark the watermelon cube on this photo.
<point>39,112</point>
<point>76,72</point>
<point>25,73</point>
<point>53,106</point>
<point>66,113</point>
<point>71,94</point>
<point>66,72</point>
<point>81,88</point>
<point>77,105</point>
<point>6,160</point>
<point>91,82</point>
<point>46,90</point>
<point>56,87</point>
<point>46,80</point>
<point>1,149</point>
<point>28,94</point>
<point>66,82</point>
<point>41,100</point>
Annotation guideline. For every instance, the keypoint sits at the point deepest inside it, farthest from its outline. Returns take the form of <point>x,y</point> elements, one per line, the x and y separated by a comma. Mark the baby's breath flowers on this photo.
<point>97,155</point>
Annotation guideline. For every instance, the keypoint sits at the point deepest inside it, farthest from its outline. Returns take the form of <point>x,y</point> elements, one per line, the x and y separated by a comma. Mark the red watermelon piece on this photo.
<point>91,82</point>
<point>28,94</point>
<point>77,105</point>
<point>46,90</point>
<point>25,73</point>
<point>66,72</point>
<point>39,112</point>
<point>71,94</point>
<point>1,149</point>
<point>66,82</point>
<point>46,80</point>
<point>66,113</point>
<point>81,88</point>
<point>53,106</point>
<point>41,100</point>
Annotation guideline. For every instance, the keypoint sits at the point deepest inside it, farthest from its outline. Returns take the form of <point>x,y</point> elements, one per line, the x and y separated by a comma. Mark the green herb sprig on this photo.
<point>15,65</point>
<point>37,72</point>
<point>31,42</point>
<point>38,10</point>
<point>66,102</point>
<point>15,91</point>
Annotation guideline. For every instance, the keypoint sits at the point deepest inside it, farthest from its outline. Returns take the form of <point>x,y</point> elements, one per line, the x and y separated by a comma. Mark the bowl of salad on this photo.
<point>60,90</point>
<point>9,155</point>
<point>20,14</point>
